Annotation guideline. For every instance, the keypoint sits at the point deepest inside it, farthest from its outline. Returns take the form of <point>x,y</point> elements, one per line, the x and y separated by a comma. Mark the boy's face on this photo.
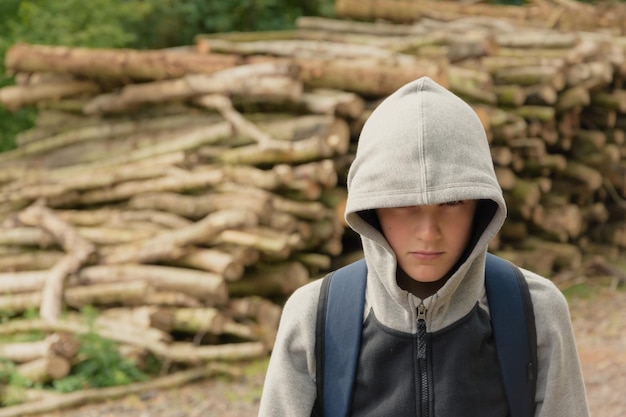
<point>428,240</point>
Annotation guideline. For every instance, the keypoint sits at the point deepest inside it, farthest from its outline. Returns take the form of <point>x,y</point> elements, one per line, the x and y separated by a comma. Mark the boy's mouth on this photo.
<point>426,255</point>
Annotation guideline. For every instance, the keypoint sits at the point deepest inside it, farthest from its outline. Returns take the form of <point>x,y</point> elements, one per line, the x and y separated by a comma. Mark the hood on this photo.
<point>422,145</point>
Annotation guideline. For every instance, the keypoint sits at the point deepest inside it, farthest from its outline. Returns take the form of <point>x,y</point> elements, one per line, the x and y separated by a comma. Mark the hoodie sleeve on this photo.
<point>560,385</point>
<point>289,389</point>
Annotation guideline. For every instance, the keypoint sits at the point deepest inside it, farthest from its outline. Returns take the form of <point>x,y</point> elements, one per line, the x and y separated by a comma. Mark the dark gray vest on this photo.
<point>459,375</point>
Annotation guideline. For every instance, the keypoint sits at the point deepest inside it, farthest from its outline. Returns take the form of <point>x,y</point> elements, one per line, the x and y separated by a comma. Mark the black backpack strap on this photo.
<point>338,338</point>
<point>513,323</point>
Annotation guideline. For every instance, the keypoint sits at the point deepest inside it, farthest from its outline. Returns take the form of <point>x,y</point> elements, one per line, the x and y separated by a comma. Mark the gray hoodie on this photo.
<point>424,145</point>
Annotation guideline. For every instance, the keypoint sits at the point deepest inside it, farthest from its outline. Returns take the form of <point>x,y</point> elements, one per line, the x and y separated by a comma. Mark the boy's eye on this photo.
<point>453,203</point>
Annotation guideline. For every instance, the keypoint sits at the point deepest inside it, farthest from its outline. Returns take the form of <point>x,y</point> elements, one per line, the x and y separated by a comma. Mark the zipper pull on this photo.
<point>421,313</point>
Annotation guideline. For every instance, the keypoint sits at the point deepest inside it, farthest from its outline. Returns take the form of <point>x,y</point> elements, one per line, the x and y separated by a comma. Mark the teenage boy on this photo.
<point>424,197</point>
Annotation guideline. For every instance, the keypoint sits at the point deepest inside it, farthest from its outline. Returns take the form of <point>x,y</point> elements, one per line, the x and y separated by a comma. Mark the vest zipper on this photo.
<point>422,352</point>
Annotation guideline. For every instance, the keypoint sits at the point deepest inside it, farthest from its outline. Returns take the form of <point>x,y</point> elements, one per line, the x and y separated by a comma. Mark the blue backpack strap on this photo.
<point>338,338</point>
<point>513,323</point>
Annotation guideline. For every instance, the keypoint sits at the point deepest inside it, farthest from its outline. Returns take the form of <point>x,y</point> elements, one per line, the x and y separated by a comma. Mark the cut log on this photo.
<point>276,280</point>
<point>213,260</point>
<point>110,329</point>
<point>506,178</point>
<point>100,131</point>
<point>333,102</point>
<point>114,63</point>
<point>167,245</point>
<point>172,299</point>
<point>566,256</point>
<point>538,260</point>
<point>268,241</point>
<point>77,398</point>
<point>560,224</point>
<point>240,125</point>
<point>379,28</point>
<point>510,95</point>
<point>298,48</point>
<point>195,320</point>
<point>199,206</point>
<point>369,77</point>
<point>336,141</point>
<point>614,100</point>
<point>114,217</point>
<point>233,82</point>
<point>201,284</point>
<point>523,198</point>
<point>104,294</point>
<point>590,75</point>
<point>30,260</point>
<point>406,11</point>
<point>514,231</point>
<point>190,353</point>
<point>575,97</point>
<point>527,76</point>
<point>79,250</point>
<point>16,97</point>
<point>60,344</point>
<point>170,142</point>
<point>494,63</point>
<point>180,180</point>
<point>590,177</point>
<point>541,113</point>
<point>132,293</point>
<point>45,369</point>
<point>536,38</point>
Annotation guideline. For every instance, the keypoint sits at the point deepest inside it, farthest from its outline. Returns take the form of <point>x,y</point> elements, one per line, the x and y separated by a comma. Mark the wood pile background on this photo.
<point>186,192</point>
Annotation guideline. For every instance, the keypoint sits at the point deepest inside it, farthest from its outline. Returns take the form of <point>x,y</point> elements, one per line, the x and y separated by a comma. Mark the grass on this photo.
<point>251,371</point>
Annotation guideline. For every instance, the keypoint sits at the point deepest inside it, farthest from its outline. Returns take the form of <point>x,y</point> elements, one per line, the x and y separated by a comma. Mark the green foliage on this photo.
<point>30,313</point>
<point>62,22</point>
<point>177,22</point>
<point>71,23</point>
<point>10,378</point>
<point>132,24</point>
<point>101,365</point>
<point>104,367</point>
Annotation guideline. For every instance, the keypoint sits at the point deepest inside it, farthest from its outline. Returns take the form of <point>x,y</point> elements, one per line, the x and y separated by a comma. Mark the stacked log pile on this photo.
<point>186,221</point>
<point>186,192</point>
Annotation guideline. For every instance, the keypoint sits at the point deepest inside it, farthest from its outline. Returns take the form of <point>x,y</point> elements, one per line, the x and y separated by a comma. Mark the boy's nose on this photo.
<point>427,227</point>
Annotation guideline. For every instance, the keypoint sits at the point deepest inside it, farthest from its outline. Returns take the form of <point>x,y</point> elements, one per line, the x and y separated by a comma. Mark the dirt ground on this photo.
<point>600,326</point>
<point>598,315</point>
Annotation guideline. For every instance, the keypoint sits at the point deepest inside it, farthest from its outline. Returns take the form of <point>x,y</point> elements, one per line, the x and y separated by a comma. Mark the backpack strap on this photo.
<point>338,338</point>
<point>513,323</point>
